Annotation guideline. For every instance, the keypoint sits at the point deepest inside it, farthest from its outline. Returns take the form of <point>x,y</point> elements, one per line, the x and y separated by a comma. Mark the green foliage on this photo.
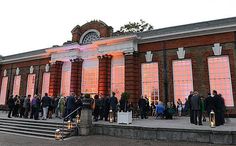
<point>125,95</point>
<point>87,95</point>
<point>136,27</point>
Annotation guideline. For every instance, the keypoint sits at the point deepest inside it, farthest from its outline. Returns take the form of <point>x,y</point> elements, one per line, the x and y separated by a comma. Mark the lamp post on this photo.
<point>212,119</point>
<point>58,135</point>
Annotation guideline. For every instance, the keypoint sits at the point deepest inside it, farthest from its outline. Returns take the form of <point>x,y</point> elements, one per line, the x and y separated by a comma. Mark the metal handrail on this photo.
<point>66,118</point>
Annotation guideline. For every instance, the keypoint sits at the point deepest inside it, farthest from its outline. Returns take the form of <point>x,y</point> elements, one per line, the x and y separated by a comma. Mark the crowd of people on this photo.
<point>199,107</point>
<point>196,106</point>
<point>45,107</point>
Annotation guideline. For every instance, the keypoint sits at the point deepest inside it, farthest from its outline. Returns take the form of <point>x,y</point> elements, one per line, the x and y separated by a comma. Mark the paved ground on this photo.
<point>97,140</point>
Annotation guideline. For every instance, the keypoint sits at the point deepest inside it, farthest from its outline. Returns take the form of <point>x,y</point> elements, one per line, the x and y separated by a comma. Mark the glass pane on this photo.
<point>45,85</point>
<point>118,75</point>
<point>3,90</point>
<point>90,76</point>
<point>65,78</point>
<point>220,78</point>
<point>16,86</point>
<point>182,79</point>
<point>30,85</point>
<point>150,81</point>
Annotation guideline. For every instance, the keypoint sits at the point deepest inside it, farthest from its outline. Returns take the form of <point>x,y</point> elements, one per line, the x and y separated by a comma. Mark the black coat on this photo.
<point>11,103</point>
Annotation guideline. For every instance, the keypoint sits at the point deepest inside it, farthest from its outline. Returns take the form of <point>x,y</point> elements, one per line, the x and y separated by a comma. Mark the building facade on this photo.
<point>164,64</point>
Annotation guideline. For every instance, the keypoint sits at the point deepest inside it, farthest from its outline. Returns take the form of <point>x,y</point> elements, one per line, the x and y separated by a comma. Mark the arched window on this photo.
<point>89,36</point>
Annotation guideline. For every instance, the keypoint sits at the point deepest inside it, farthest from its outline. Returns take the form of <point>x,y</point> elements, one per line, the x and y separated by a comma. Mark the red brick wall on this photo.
<point>104,30</point>
<point>55,78</point>
<point>38,64</point>
<point>76,76</point>
<point>104,75</point>
<point>188,42</point>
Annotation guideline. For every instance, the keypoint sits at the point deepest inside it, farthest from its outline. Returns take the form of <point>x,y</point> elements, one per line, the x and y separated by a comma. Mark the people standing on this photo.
<point>46,102</point>
<point>70,103</point>
<point>195,104</point>
<point>26,106</point>
<point>190,107</point>
<point>142,107</point>
<point>61,106</point>
<point>223,109</point>
<point>113,105</point>
<point>209,104</point>
<point>96,108</point>
<point>219,103</point>
<point>22,110</point>
<point>179,107</point>
<point>11,105</point>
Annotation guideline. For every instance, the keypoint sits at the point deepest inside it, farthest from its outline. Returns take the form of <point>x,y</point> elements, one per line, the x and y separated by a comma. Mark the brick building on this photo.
<point>164,64</point>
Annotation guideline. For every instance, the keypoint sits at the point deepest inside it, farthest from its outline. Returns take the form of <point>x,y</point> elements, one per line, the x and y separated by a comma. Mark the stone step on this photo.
<point>30,127</point>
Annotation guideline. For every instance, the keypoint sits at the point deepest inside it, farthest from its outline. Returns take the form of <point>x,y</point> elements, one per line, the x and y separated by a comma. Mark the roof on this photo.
<point>193,27</point>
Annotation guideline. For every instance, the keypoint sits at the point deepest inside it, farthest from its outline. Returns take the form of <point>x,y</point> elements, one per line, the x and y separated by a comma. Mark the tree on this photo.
<point>136,27</point>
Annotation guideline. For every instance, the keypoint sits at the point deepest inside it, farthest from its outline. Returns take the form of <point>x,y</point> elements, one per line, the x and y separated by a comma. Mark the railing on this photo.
<point>63,126</point>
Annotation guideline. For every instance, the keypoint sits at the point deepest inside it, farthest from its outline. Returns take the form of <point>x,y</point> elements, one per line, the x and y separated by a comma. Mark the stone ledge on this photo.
<point>167,134</point>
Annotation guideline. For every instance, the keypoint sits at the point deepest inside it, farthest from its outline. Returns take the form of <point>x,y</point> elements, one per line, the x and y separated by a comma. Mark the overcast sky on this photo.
<point>27,25</point>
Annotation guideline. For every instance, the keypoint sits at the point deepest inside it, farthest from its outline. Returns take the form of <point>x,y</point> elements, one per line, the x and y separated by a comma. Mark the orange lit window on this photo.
<point>117,75</point>
<point>3,90</point>
<point>220,78</point>
<point>90,76</point>
<point>16,86</point>
<point>182,78</point>
<point>45,85</point>
<point>30,85</point>
<point>150,82</point>
<point>65,78</point>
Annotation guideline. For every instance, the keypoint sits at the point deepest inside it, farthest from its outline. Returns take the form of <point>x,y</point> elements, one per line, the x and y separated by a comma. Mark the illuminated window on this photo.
<point>90,76</point>
<point>182,78</point>
<point>65,78</point>
<point>117,75</point>
<point>150,82</point>
<point>220,78</point>
<point>16,86</point>
<point>45,85</point>
<point>3,90</point>
<point>30,85</point>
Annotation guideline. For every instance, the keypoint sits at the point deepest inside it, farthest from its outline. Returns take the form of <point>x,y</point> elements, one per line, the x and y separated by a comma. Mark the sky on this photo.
<point>27,25</point>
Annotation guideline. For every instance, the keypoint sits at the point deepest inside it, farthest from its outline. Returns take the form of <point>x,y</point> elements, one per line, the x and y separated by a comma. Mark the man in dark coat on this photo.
<point>209,104</point>
<point>70,105</point>
<point>223,109</point>
<point>11,104</point>
<point>46,102</point>
<point>113,105</point>
<point>190,107</point>
<point>142,107</point>
<point>218,108</point>
<point>195,106</point>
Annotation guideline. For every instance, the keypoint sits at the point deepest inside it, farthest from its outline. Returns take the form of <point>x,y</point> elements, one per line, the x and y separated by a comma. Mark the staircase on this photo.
<point>36,128</point>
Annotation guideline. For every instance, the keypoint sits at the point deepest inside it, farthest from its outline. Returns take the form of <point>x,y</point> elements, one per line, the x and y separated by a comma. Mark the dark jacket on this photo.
<point>11,102</point>
<point>70,102</point>
<point>113,102</point>
<point>142,104</point>
<point>46,101</point>
<point>195,102</point>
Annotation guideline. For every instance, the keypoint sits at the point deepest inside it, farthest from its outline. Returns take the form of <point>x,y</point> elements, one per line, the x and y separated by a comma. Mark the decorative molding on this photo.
<point>65,56</point>
<point>31,69</point>
<point>148,56</point>
<point>181,53</point>
<point>217,49</point>
<point>47,68</point>
<point>17,71</point>
<point>5,73</point>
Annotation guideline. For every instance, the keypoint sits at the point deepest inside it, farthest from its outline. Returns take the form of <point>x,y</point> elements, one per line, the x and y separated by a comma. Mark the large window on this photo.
<point>3,90</point>
<point>45,85</point>
<point>65,78</point>
<point>30,85</point>
<point>16,86</point>
<point>182,78</point>
<point>220,78</point>
<point>90,76</point>
<point>117,75</point>
<point>150,81</point>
